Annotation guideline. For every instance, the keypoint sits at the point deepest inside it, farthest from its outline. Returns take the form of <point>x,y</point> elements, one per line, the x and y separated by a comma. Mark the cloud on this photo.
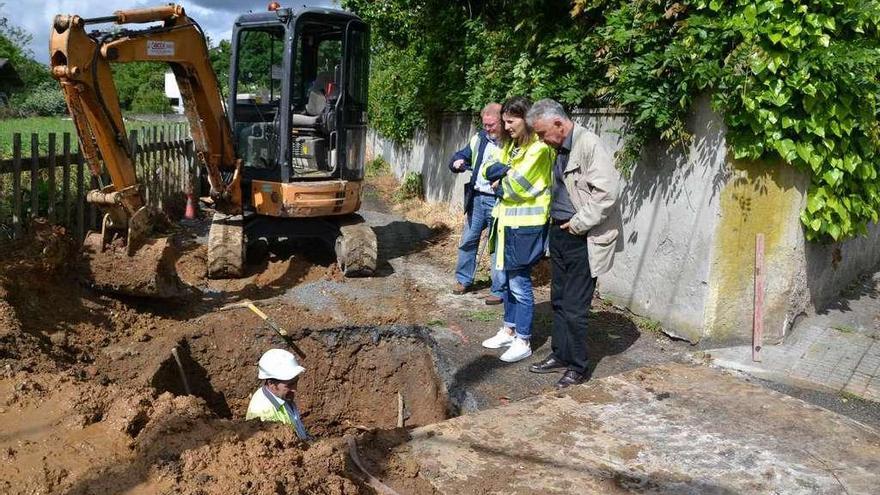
<point>215,16</point>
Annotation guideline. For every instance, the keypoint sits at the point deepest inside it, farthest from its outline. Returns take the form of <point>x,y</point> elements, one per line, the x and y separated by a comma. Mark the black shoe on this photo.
<point>549,365</point>
<point>570,378</point>
<point>492,300</point>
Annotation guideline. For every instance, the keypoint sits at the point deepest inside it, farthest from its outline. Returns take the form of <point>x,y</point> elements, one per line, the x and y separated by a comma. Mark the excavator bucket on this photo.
<point>148,272</point>
<point>139,265</point>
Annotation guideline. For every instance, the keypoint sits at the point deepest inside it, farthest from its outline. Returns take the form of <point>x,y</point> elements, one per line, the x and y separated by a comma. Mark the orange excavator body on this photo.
<point>128,256</point>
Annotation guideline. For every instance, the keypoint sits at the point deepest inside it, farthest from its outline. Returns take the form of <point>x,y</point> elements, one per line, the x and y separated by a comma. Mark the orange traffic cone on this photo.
<point>190,212</point>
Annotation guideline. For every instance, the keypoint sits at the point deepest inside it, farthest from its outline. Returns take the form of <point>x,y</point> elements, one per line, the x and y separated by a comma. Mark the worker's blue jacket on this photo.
<point>472,154</point>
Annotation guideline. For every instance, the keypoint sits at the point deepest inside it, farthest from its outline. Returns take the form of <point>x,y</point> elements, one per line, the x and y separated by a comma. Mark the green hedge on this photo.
<point>795,79</point>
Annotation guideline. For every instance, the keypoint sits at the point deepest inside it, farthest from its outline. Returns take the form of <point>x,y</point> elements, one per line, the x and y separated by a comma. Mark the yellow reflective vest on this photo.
<point>526,190</point>
<point>268,408</point>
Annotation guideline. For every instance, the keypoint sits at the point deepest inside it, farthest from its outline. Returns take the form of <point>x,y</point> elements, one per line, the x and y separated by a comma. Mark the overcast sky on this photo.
<point>215,16</point>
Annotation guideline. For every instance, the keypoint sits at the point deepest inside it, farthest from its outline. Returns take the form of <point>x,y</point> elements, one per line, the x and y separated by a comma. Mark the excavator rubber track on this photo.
<point>226,246</point>
<point>149,272</point>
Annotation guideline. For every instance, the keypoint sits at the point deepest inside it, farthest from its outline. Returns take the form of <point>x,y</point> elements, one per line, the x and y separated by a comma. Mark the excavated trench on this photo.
<point>355,377</point>
<point>93,401</point>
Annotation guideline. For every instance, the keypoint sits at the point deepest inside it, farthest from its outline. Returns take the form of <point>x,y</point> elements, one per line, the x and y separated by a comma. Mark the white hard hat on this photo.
<point>278,364</point>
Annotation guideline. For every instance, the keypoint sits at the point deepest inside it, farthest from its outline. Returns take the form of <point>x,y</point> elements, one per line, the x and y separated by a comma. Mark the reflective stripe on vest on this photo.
<point>531,190</point>
<point>526,210</point>
<point>475,148</point>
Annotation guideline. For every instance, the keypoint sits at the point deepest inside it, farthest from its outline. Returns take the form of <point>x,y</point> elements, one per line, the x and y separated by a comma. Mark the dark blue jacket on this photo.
<point>466,154</point>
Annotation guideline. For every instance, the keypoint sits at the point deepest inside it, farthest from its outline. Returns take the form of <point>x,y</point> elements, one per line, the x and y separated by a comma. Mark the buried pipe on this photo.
<point>180,369</point>
<point>373,481</point>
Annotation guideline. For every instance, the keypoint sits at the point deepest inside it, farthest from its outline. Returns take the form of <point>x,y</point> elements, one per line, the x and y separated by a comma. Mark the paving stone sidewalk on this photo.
<point>837,350</point>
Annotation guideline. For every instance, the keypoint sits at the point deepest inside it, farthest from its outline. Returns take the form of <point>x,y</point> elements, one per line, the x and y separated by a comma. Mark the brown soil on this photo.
<point>271,273</point>
<point>91,400</point>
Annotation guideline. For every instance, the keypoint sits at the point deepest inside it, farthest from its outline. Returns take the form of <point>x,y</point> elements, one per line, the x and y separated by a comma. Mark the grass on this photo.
<point>648,325</point>
<point>378,167</point>
<point>43,126</point>
<point>483,315</point>
<point>411,188</point>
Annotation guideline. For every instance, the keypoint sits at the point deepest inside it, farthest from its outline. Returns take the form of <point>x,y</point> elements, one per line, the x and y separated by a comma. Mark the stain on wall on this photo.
<point>760,197</point>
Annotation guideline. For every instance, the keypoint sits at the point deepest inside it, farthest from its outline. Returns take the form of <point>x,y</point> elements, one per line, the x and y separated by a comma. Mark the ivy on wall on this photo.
<point>796,80</point>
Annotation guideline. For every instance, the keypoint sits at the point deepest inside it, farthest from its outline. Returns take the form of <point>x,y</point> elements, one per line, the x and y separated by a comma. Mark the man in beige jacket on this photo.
<point>584,227</point>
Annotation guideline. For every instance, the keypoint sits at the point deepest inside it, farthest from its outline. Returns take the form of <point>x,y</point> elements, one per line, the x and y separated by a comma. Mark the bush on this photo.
<point>378,167</point>
<point>796,80</point>
<point>44,100</point>
<point>150,101</point>
<point>411,187</point>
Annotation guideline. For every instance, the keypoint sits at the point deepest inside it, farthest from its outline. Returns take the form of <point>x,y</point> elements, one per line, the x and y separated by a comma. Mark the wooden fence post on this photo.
<point>80,198</point>
<point>35,173</point>
<point>132,141</point>
<point>50,208</point>
<point>65,177</point>
<point>16,185</point>
<point>157,177</point>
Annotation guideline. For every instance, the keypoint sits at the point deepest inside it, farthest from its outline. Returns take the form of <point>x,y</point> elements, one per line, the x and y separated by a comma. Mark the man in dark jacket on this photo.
<point>584,226</point>
<point>479,199</point>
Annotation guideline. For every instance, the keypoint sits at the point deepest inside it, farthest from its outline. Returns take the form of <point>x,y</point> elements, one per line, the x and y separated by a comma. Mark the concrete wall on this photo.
<point>690,221</point>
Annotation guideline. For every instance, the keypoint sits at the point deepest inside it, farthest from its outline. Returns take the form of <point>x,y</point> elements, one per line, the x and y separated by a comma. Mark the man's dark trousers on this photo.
<point>571,293</point>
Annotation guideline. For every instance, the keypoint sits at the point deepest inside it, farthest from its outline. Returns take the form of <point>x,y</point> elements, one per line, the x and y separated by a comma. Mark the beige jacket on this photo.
<point>593,184</point>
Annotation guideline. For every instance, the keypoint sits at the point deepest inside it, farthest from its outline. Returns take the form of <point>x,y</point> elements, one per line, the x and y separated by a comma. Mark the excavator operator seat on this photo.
<point>315,104</point>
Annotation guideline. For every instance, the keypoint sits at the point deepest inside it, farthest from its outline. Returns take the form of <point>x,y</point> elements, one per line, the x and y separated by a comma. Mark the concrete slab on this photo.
<point>667,429</point>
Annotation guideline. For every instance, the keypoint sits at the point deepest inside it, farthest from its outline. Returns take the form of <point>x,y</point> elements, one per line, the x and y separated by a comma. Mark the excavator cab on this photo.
<point>298,114</point>
<point>298,102</point>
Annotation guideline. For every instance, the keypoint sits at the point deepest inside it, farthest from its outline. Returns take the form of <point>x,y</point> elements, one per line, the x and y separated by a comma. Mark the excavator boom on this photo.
<point>81,63</point>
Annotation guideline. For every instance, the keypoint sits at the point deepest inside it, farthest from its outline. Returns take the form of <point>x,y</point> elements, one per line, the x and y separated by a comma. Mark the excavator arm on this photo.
<point>80,61</point>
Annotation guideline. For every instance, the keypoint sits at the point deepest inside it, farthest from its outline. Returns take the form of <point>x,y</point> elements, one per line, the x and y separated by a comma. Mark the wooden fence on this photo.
<point>53,185</point>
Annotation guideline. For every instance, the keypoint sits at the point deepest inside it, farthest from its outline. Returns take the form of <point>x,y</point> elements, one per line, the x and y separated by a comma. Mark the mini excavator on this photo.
<point>284,157</point>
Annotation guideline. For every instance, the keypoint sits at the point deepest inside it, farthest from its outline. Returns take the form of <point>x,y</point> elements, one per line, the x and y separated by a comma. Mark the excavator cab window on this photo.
<point>315,83</point>
<point>258,93</point>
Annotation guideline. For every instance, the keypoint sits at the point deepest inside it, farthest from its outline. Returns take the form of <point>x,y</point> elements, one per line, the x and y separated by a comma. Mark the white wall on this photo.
<point>690,221</point>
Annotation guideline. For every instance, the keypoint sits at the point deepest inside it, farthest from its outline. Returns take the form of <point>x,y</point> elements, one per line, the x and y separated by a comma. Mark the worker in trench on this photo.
<point>274,400</point>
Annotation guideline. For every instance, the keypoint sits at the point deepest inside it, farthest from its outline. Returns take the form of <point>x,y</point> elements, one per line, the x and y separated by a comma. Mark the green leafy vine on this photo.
<point>796,80</point>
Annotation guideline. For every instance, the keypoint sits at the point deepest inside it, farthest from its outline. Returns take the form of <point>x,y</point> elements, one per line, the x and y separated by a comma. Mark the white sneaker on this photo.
<point>501,339</point>
<point>519,349</point>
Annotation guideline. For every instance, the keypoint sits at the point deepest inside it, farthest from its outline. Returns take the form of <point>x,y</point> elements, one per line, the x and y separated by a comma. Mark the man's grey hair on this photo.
<point>491,109</point>
<point>545,109</point>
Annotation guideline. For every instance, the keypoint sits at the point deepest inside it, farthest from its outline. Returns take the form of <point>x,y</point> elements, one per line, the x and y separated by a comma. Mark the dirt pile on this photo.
<point>96,429</point>
<point>91,400</point>
<point>84,438</point>
<point>31,270</point>
<point>185,448</point>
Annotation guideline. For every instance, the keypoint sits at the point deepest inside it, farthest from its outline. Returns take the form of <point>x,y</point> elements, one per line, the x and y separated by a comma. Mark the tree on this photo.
<point>141,82</point>
<point>220,56</point>
<point>13,46</point>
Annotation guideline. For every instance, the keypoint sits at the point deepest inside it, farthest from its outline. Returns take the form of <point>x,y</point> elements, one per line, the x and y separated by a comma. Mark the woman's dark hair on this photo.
<point>517,106</point>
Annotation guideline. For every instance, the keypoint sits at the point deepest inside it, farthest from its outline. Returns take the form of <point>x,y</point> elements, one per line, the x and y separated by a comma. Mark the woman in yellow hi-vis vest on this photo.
<point>519,234</point>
